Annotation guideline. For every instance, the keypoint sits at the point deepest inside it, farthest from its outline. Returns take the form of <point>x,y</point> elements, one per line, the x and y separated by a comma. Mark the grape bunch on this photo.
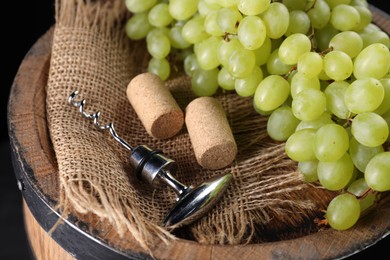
<point>319,69</point>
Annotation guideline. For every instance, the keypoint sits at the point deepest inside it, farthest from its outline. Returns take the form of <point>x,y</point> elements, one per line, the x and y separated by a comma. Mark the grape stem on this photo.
<point>311,37</point>
<point>325,51</point>
<point>368,191</point>
<point>290,71</point>
<point>321,222</point>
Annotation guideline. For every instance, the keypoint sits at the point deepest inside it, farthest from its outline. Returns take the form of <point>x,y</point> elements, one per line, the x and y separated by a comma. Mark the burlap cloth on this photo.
<point>266,201</point>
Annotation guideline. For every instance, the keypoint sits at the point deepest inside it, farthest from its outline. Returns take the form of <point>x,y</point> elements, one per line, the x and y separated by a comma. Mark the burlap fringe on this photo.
<point>80,194</point>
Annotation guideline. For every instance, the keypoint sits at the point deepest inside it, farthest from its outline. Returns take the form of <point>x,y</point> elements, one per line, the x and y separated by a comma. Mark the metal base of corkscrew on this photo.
<point>154,168</point>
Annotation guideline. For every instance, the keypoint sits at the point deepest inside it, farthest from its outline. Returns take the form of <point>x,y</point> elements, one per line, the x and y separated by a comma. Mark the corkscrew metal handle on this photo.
<point>156,169</point>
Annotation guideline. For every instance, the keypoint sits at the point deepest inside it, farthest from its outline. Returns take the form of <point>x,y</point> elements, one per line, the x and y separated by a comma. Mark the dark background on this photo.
<point>23,22</point>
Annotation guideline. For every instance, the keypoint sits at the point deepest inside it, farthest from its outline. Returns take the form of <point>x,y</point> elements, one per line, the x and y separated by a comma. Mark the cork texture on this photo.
<point>155,106</point>
<point>210,134</point>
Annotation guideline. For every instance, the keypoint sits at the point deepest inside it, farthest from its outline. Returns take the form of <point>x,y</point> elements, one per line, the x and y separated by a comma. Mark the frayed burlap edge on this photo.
<point>105,18</point>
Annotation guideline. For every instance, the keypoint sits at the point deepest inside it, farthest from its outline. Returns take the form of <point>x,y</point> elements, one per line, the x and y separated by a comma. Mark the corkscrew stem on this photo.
<point>154,168</point>
<point>95,117</point>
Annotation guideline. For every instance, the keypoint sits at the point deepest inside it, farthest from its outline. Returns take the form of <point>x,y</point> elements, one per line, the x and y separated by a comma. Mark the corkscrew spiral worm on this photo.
<point>95,117</point>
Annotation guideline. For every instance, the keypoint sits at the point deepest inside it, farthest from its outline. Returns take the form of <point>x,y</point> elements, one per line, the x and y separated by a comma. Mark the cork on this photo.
<point>155,106</point>
<point>210,133</point>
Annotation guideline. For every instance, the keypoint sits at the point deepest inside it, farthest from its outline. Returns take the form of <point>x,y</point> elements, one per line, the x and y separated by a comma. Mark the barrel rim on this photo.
<point>42,206</point>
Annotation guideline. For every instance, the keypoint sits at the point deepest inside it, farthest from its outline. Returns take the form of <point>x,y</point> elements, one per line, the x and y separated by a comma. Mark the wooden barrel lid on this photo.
<point>37,173</point>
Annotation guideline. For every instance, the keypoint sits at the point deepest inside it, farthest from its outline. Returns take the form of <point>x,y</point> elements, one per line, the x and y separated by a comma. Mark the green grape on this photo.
<point>259,111</point>
<point>241,63</point>
<point>253,7</point>
<point>295,4</point>
<point>370,37</point>
<point>371,28</point>
<point>344,17</point>
<point>293,47</point>
<point>359,3</point>
<point>300,82</point>
<point>364,95</point>
<point>160,67</point>
<point>205,7</point>
<point>343,211</point>
<point>377,172</point>
<point>330,143</point>
<point>333,3</point>
<point>367,201</point>
<point>271,93</point>
<point>335,104</point>
<point>193,30</point>
<point>226,48</point>
<point>323,76</point>
<point>338,65</point>
<point>183,9</point>
<point>138,26</point>
<point>204,82</point>
<point>213,2</point>
<point>373,61</point>
<point>246,87</point>
<point>190,64</point>
<point>385,105</point>
<point>275,65</point>
<point>319,14</point>
<point>139,6</point>
<point>251,32</point>
<point>323,36</point>
<point>262,53</point>
<point>158,44</point>
<point>317,123</point>
<point>299,23</point>
<point>211,25</point>
<point>159,15</point>
<point>335,175</point>
<point>310,64</point>
<point>308,170</point>
<point>361,190</point>
<point>206,53</point>
<point>299,145</point>
<point>386,117</point>
<point>348,42</point>
<point>282,123</point>
<point>365,17</point>
<point>228,18</point>
<point>225,80</point>
<point>309,104</point>
<point>228,3</point>
<point>176,37</point>
<point>276,19</point>
<point>362,154</point>
<point>370,129</point>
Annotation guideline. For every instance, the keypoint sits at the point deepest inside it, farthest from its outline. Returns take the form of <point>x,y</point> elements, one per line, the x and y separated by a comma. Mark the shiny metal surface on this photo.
<point>156,169</point>
<point>196,202</point>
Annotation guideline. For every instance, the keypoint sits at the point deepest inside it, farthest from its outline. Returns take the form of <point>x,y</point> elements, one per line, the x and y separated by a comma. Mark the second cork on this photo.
<point>155,106</point>
<point>210,133</point>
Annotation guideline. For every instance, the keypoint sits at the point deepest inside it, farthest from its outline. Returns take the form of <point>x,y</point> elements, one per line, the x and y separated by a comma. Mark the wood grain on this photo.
<point>42,245</point>
<point>32,150</point>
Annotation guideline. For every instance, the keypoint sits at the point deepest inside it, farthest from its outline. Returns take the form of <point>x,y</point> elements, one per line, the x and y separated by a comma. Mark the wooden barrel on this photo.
<point>37,174</point>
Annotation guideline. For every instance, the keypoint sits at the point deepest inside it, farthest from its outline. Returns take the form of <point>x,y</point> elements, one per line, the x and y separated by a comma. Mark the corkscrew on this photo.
<point>153,167</point>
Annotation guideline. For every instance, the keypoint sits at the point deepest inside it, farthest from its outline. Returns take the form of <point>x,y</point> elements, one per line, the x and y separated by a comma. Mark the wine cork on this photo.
<point>210,133</point>
<point>155,106</point>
